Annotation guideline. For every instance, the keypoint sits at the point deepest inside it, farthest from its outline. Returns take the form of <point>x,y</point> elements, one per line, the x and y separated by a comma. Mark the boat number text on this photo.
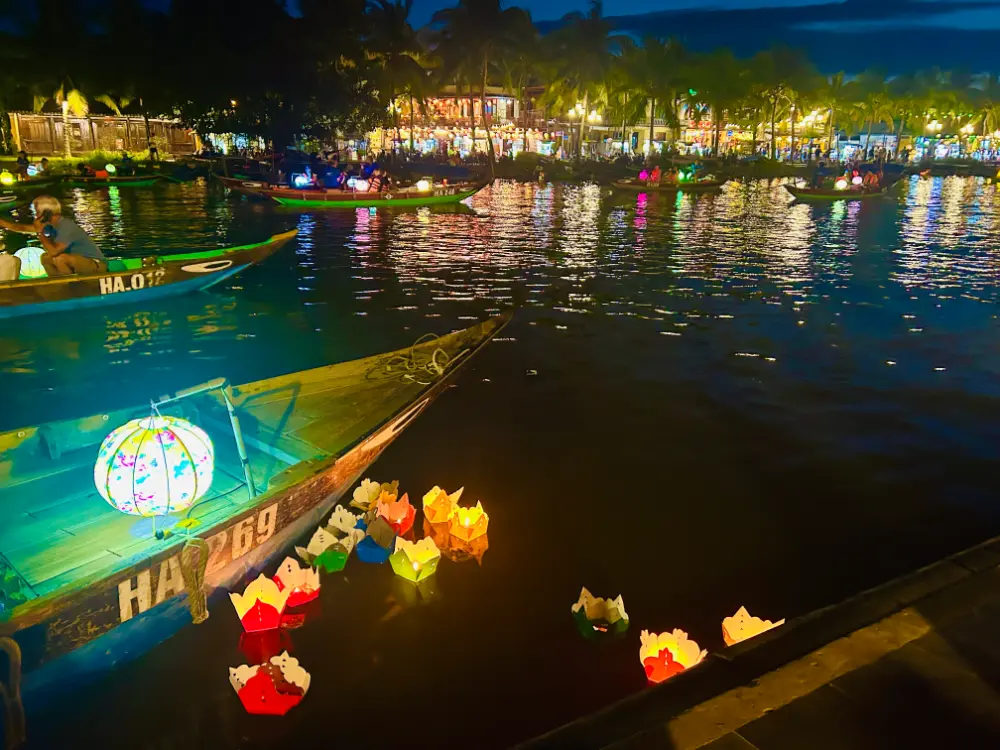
<point>113,284</point>
<point>223,548</point>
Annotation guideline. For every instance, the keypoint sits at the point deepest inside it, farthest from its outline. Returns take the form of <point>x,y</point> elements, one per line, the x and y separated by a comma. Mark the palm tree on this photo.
<point>648,79</point>
<point>777,74</point>
<point>395,45</point>
<point>520,68</point>
<point>873,102</point>
<point>831,96</point>
<point>722,83</point>
<point>475,35</point>
<point>71,101</point>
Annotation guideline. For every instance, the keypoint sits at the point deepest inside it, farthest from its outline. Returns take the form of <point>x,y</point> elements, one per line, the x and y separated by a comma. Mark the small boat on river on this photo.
<point>396,197</point>
<point>700,186</point>
<point>87,587</point>
<point>832,194</point>
<point>133,279</point>
<point>33,183</point>
<point>144,180</point>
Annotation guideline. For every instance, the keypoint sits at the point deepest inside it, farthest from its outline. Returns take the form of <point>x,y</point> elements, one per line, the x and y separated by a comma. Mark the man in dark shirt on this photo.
<point>68,248</point>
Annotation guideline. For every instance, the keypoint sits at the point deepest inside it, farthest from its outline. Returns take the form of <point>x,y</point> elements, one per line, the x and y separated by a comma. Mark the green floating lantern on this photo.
<point>415,561</point>
<point>598,618</point>
<point>327,551</point>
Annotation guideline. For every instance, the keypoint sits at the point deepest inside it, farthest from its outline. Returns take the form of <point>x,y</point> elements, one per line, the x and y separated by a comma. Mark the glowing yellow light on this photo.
<point>841,184</point>
<point>423,185</point>
<point>6,178</point>
<point>469,523</point>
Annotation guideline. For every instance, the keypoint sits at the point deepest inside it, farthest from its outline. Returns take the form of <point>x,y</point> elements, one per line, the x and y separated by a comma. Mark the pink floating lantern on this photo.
<point>260,605</point>
<point>398,513</point>
<point>303,583</point>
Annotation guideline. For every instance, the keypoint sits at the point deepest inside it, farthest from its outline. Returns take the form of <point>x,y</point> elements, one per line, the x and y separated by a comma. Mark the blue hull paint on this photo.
<point>132,296</point>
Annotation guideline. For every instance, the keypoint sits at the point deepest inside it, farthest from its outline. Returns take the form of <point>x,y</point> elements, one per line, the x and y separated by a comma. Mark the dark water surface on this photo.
<point>703,403</point>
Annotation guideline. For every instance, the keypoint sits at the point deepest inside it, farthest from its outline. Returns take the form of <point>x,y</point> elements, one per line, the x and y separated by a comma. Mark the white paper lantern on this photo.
<point>154,465</point>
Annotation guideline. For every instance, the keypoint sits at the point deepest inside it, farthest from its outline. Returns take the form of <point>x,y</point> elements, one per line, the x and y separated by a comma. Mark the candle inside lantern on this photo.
<point>398,513</point>
<point>415,561</point>
<point>469,523</point>
<point>439,506</point>
<point>665,654</point>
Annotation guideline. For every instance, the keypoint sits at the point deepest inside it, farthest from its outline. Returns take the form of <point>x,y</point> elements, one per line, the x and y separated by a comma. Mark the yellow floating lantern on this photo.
<point>663,655</point>
<point>415,561</point>
<point>469,523</point>
<point>743,625</point>
<point>154,465</point>
<point>6,178</point>
<point>439,506</point>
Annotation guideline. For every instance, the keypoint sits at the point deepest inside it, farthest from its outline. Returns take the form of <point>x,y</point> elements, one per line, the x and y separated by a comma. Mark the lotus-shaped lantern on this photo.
<point>378,542</point>
<point>743,625</point>
<point>439,506</point>
<point>469,523</point>
<point>596,617</point>
<point>303,583</point>
<point>665,654</point>
<point>399,513</point>
<point>415,561</point>
<point>342,521</point>
<point>272,688</point>
<point>370,493</point>
<point>260,605</point>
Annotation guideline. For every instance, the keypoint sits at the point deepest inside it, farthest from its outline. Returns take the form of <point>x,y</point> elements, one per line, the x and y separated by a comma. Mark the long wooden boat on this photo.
<point>98,182</point>
<point>409,196</point>
<point>703,186</point>
<point>825,194</point>
<point>34,183</point>
<point>87,588</point>
<point>246,186</point>
<point>131,280</point>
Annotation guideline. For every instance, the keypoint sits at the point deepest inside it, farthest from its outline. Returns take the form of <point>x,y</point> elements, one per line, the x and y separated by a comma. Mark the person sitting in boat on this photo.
<point>870,181</point>
<point>379,182</point>
<point>127,167</point>
<point>670,178</point>
<point>656,175</point>
<point>68,248</point>
<point>85,170</point>
<point>43,166</point>
<point>22,165</point>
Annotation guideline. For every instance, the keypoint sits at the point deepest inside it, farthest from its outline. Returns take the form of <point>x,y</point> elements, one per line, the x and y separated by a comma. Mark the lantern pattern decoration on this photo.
<point>665,654</point>
<point>399,513</point>
<point>302,583</point>
<point>439,506</point>
<point>743,625</point>
<point>31,262</point>
<point>272,688</point>
<point>596,617</point>
<point>378,543</point>
<point>261,604</point>
<point>469,523</point>
<point>154,466</point>
<point>415,561</point>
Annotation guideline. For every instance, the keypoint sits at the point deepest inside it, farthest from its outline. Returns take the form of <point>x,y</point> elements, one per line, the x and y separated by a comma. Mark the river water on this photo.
<point>702,402</point>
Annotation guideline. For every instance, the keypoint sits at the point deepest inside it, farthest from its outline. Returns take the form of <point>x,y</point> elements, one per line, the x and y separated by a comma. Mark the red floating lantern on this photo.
<point>303,583</point>
<point>272,688</point>
<point>260,605</point>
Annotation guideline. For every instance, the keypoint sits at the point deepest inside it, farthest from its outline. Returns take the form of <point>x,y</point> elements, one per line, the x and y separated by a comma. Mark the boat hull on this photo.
<point>825,196</point>
<point>169,278</point>
<point>392,199</point>
<point>712,186</point>
<point>101,182</point>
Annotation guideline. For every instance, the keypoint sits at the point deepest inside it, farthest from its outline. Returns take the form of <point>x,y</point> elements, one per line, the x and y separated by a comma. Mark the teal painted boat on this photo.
<point>396,198</point>
<point>99,182</point>
<point>87,588</point>
<point>132,280</point>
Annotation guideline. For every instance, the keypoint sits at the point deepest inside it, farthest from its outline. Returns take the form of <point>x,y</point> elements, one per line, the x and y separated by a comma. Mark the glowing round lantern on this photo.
<point>361,186</point>
<point>154,466</point>
<point>32,171</point>
<point>841,184</point>
<point>110,168</point>
<point>644,175</point>
<point>31,262</point>
<point>6,178</point>
<point>857,180</point>
<point>423,185</point>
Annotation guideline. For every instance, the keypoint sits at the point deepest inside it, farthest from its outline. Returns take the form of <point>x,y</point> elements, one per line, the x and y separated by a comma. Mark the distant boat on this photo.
<point>336,198</point>
<point>827,194</point>
<point>131,280</point>
<point>702,186</point>
<point>133,181</point>
<point>87,588</point>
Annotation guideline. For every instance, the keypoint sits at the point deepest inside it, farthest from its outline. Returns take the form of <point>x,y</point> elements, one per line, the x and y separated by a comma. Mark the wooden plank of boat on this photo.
<point>87,587</point>
<point>245,186</point>
<point>703,186</point>
<point>131,280</point>
<point>392,199</point>
<point>814,194</point>
<point>95,182</point>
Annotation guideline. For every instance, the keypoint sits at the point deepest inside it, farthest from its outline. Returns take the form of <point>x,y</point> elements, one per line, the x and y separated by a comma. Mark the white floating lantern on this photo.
<point>154,465</point>
<point>743,625</point>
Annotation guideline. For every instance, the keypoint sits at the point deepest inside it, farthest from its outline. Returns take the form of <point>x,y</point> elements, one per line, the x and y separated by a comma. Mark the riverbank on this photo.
<point>857,674</point>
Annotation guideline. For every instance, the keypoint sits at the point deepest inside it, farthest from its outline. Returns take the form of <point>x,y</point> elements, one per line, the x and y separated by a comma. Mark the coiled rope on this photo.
<point>414,366</point>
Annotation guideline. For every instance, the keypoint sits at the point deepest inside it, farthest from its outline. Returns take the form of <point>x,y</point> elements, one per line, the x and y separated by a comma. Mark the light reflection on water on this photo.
<point>785,402</point>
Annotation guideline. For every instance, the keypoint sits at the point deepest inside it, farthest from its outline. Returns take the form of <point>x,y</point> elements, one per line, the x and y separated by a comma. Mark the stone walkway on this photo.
<point>911,664</point>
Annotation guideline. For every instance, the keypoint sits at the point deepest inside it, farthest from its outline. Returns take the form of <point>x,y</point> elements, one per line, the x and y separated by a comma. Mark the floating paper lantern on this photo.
<point>378,543</point>
<point>342,521</point>
<point>303,583</point>
<point>328,549</point>
<point>596,617</point>
<point>439,506</point>
<point>743,625</point>
<point>665,654</point>
<point>469,523</point>
<point>423,185</point>
<point>857,180</point>
<point>840,184</point>
<point>369,493</point>
<point>154,465</point>
<point>399,513</point>
<point>272,688</point>
<point>31,262</point>
<point>260,605</point>
<point>415,561</point>
<point>6,178</point>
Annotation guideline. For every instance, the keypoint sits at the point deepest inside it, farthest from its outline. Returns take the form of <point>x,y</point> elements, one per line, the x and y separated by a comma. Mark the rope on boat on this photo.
<point>414,366</point>
<point>14,722</point>
<point>194,561</point>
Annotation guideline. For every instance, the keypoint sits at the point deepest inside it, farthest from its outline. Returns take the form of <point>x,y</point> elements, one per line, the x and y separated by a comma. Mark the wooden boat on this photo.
<point>703,186</point>
<point>144,180</point>
<point>397,197</point>
<point>826,194</point>
<point>133,279</point>
<point>246,186</point>
<point>87,587</point>
<point>34,183</point>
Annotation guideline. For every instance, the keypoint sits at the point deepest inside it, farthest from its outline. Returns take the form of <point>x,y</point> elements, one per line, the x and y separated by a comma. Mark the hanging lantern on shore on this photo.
<point>261,604</point>
<point>469,523</point>
<point>302,583</point>
<point>415,561</point>
<point>272,688</point>
<point>154,466</point>
<point>398,513</point>
<point>596,617</point>
<point>743,625</point>
<point>439,506</point>
<point>663,655</point>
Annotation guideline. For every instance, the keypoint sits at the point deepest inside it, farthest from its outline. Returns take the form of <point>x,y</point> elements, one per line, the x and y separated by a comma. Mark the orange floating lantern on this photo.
<point>439,506</point>
<point>469,523</point>
<point>272,688</point>
<point>260,605</point>
<point>743,625</point>
<point>398,513</point>
<point>302,583</point>
<point>663,655</point>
